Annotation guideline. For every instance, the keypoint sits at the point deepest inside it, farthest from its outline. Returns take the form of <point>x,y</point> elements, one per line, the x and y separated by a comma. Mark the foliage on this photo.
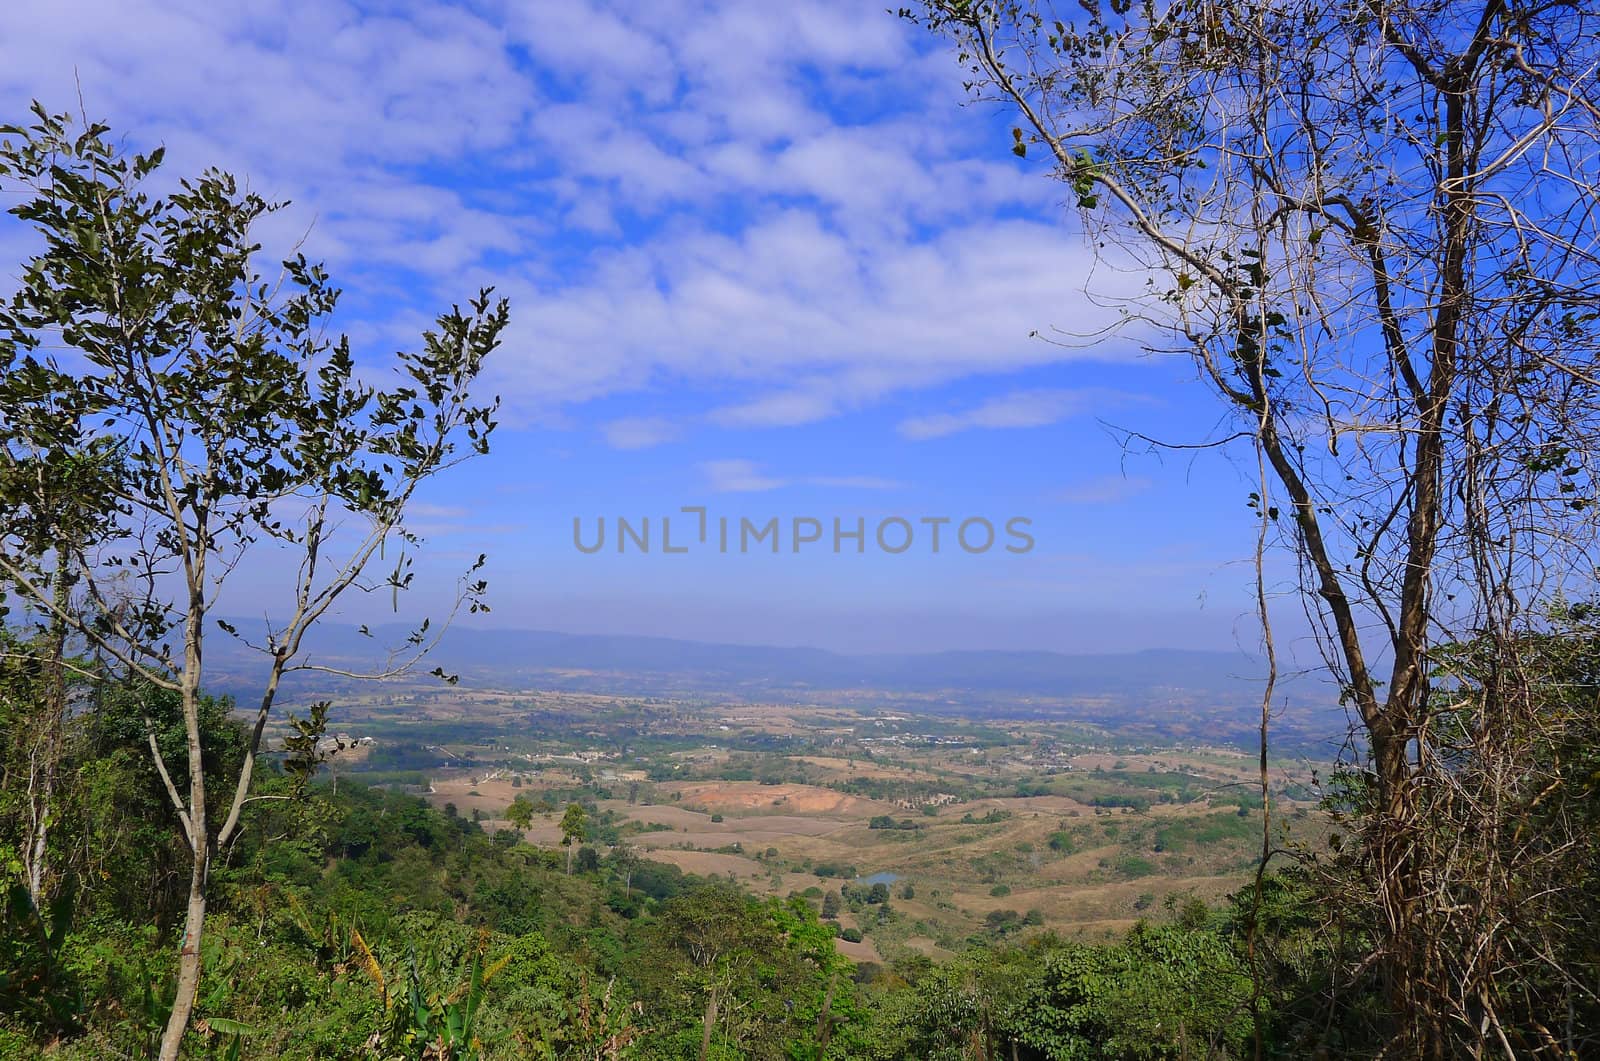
<point>167,408</point>
<point>520,812</point>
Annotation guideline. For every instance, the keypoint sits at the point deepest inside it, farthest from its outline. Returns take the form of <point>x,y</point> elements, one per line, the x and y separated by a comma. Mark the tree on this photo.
<point>204,413</point>
<point>722,935</point>
<point>520,812</point>
<point>626,859</point>
<point>66,506</point>
<point>814,942</point>
<point>1369,227</point>
<point>830,905</point>
<point>574,830</point>
<point>35,679</point>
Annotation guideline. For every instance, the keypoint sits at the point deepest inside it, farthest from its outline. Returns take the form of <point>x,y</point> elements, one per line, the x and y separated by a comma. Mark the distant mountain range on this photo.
<point>652,665</point>
<point>1207,696</point>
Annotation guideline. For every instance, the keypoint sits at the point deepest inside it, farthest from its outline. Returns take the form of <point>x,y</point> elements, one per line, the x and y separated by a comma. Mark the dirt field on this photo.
<point>751,797</point>
<point>491,796</point>
<point>750,828</point>
<point>710,863</point>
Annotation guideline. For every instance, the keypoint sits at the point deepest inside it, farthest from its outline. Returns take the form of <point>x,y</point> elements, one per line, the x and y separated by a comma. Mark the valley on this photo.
<point>979,829</point>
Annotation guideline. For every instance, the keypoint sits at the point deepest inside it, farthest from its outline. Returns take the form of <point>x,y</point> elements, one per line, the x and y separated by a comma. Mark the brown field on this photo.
<point>805,824</point>
<point>709,863</point>
<point>750,797</point>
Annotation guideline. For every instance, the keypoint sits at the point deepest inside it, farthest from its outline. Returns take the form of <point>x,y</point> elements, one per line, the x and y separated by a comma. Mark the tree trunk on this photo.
<point>42,778</point>
<point>199,844</point>
<point>41,804</point>
<point>188,967</point>
<point>825,1018</point>
<point>711,1024</point>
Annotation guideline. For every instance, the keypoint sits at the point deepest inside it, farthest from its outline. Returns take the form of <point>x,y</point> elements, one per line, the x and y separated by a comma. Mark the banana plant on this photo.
<point>34,982</point>
<point>424,1026</point>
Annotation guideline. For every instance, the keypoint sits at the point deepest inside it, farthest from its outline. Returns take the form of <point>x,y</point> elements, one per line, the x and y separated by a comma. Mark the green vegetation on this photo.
<point>994,817</point>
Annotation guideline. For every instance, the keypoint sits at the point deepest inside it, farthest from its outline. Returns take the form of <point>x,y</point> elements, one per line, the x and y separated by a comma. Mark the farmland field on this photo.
<point>974,827</point>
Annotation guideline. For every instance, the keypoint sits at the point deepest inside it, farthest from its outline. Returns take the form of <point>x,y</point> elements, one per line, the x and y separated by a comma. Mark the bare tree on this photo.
<point>1372,226</point>
<point>221,427</point>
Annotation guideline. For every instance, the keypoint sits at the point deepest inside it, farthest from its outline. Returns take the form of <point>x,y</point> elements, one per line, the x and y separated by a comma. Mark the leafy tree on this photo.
<point>725,939</point>
<point>625,858</point>
<point>574,830</point>
<point>520,812</point>
<point>37,681</point>
<point>830,905</point>
<point>302,745</point>
<point>204,412</point>
<point>1162,992</point>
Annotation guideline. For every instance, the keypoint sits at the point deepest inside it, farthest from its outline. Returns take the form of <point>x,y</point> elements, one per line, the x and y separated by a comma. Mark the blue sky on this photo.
<point>761,258</point>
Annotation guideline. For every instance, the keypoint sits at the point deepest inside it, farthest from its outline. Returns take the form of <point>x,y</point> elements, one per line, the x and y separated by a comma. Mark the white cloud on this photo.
<point>779,409</point>
<point>1104,490</point>
<point>677,192</point>
<point>1019,409</point>
<point>737,477</point>
<point>423,510</point>
<point>855,482</point>
<point>638,432</point>
<point>805,320</point>
<point>746,476</point>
